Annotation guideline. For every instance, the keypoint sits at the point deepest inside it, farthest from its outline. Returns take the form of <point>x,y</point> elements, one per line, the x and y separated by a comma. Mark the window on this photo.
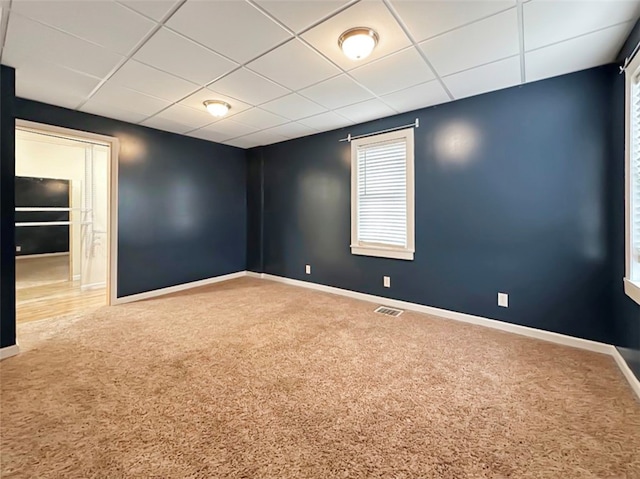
<point>632,275</point>
<point>382,202</point>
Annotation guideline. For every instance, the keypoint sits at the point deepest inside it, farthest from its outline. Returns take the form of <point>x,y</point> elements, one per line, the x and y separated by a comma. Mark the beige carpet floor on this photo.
<point>254,379</point>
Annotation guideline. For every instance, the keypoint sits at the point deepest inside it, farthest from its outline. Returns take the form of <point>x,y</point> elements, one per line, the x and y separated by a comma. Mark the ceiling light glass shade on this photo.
<point>217,108</point>
<point>358,43</point>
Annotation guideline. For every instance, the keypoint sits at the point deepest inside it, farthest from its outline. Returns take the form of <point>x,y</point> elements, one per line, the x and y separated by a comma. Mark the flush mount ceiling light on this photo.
<point>358,43</point>
<point>217,108</point>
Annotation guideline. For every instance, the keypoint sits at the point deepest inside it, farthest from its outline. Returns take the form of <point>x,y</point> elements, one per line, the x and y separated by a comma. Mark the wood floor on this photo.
<point>43,290</point>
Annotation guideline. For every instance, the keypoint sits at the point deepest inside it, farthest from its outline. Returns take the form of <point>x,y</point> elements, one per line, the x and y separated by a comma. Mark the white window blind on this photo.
<point>382,193</point>
<point>634,170</point>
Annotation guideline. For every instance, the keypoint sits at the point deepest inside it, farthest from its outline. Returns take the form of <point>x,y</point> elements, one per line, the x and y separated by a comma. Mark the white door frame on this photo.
<point>112,234</point>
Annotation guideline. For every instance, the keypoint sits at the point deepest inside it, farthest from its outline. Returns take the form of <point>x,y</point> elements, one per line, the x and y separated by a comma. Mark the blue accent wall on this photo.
<point>181,201</point>
<point>512,195</point>
<point>255,203</point>
<point>7,208</point>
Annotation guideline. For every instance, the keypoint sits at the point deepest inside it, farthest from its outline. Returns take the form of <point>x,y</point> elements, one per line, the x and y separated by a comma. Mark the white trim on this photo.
<point>180,287</point>
<point>43,208</point>
<point>77,277</point>
<point>87,287</point>
<point>634,382</point>
<point>41,255</point>
<point>9,351</point>
<point>253,274</point>
<point>443,313</point>
<point>112,191</point>
<point>382,251</point>
<point>632,289</point>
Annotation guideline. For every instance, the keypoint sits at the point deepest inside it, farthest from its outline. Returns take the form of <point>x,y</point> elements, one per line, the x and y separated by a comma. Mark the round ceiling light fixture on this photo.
<point>217,108</point>
<point>358,43</point>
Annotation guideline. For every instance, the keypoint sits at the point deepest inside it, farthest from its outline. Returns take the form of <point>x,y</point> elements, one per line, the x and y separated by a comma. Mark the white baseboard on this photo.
<point>77,277</point>
<point>626,370</point>
<point>443,313</point>
<point>549,336</point>
<point>253,274</point>
<point>87,287</point>
<point>180,287</point>
<point>9,351</point>
<point>42,255</point>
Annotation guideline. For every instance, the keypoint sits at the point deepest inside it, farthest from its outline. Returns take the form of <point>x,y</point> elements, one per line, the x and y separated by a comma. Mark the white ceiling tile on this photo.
<point>152,81</point>
<point>155,9</point>
<point>579,53</point>
<point>182,57</point>
<point>197,100</point>
<point>224,129</point>
<point>428,19</point>
<point>373,14</point>
<point>56,77</point>
<point>111,111</point>
<point>50,83</point>
<point>248,87</point>
<point>126,99</point>
<point>259,119</point>
<point>243,142</point>
<point>298,15</point>
<point>491,77</point>
<point>29,42</point>
<point>326,121</point>
<point>550,22</point>
<point>293,107</point>
<point>294,65</point>
<point>482,42</point>
<point>92,21</point>
<point>365,111</point>
<point>257,139</point>
<point>189,117</point>
<point>395,72</point>
<point>418,96</point>
<point>166,124</point>
<point>236,29</point>
<point>336,92</point>
<point>208,135</point>
<point>292,130</point>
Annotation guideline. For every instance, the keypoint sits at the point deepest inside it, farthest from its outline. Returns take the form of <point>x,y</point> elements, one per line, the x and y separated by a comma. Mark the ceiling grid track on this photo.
<point>133,51</point>
<point>244,65</point>
<point>308,45</point>
<point>520,10</point>
<point>452,47</point>
<point>398,19</point>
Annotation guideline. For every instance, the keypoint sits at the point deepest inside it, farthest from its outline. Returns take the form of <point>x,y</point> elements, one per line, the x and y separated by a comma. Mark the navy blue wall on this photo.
<point>181,203</point>
<point>254,210</point>
<point>512,191</point>
<point>7,208</point>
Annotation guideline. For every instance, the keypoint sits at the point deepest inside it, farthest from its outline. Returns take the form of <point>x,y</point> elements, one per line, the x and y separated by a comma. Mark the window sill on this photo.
<point>632,289</point>
<point>382,252</point>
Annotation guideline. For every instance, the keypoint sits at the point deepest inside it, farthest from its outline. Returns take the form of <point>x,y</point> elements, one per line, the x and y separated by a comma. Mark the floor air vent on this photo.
<point>389,311</point>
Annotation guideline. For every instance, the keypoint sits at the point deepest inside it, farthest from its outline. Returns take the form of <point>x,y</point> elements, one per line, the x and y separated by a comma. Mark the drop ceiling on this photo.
<point>277,63</point>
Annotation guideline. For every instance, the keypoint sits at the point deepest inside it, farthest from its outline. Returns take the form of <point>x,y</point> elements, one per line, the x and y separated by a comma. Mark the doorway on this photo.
<point>64,251</point>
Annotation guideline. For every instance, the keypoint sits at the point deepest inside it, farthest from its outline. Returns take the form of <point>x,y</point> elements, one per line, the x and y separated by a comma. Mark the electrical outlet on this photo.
<point>386,281</point>
<point>307,269</point>
<point>503,300</point>
<point>18,249</point>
